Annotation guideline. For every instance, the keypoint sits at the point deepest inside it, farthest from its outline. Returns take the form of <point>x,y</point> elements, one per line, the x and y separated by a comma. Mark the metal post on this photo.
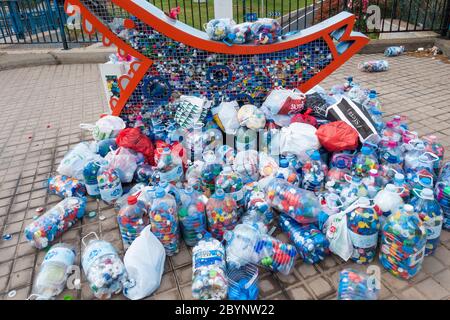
<point>446,24</point>
<point>62,30</point>
<point>223,9</point>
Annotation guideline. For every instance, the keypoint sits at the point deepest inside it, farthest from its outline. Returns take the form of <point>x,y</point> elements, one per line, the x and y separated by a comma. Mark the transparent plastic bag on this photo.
<point>105,128</point>
<point>73,163</point>
<point>124,161</point>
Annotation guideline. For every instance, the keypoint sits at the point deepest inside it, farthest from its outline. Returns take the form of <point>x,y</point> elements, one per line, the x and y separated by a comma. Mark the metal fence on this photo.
<point>45,22</point>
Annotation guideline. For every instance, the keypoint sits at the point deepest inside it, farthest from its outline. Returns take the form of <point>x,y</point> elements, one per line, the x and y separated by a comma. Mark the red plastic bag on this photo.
<point>133,139</point>
<point>305,118</point>
<point>337,136</point>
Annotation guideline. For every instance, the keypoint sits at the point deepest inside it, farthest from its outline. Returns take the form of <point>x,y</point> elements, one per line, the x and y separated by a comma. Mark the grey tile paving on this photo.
<point>43,106</point>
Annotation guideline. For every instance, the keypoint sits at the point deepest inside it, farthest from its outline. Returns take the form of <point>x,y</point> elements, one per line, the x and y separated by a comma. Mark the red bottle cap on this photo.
<point>132,200</point>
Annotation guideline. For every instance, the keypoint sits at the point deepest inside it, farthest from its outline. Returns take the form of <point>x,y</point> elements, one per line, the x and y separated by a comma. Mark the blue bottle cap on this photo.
<point>284,163</point>
<point>219,194</point>
<point>315,155</point>
<point>160,192</point>
<point>366,150</point>
<point>341,164</point>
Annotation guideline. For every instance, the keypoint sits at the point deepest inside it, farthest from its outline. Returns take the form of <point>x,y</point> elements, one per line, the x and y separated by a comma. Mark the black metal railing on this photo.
<point>45,22</point>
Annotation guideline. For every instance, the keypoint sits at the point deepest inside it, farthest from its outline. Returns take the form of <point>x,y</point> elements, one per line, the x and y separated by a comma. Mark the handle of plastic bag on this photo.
<point>87,126</point>
<point>90,233</point>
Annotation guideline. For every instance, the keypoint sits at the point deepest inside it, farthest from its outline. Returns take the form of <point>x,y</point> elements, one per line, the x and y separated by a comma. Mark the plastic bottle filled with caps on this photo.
<point>222,214</point>
<point>132,219</point>
<point>192,215</point>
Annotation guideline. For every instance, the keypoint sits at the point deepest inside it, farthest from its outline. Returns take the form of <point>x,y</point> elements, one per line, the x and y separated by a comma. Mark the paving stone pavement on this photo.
<point>43,106</point>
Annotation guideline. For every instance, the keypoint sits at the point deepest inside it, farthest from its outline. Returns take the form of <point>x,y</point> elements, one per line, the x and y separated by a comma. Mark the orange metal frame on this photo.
<point>128,83</point>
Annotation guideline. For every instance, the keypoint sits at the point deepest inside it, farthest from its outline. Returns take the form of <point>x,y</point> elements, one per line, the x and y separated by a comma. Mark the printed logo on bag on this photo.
<point>292,106</point>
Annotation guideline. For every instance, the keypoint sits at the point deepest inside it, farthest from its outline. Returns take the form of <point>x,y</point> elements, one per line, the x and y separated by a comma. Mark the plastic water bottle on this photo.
<point>192,216</point>
<point>313,173</point>
<point>432,145</point>
<point>373,183</point>
<point>209,280</point>
<point>394,51</point>
<point>416,149</point>
<point>103,268</point>
<point>356,285</point>
<point>363,227</point>
<point>403,242</point>
<point>287,172</point>
<point>310,242</point>
<point>391,154</point>
<point>222,214</point>
<point>401,185</point>
<point>372,102</point>
<point>164,221</point>
<point>241,243</point>
<point>336,176</point>
<point>387,201</point>
<point>109,184</point>
<point>391,132</point>
<point>170,167</point>
<point>55,222</point>
<point>172,190</point>
<point>353,191</point>
<point>210,171</point>
<point>144,173</point>
<point>90,172</point>
<point>430,213</point>
<point>364,162</point>
<point>132,220</point>
<point>257,208</point>
<point>52,277</point>
<point>231,183</point>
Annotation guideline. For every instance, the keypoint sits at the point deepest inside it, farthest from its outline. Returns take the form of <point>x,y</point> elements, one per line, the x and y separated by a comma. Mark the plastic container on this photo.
<point>103,268</point>
<point>430,213</point>
<point>374,66</point>
<point>373,183</point>
<point>90,173</point>
<point>363,227</point>
<point>388,201</point>
<point>243,283</point>
<point>311,244</point>
<point>109,184</point>
<point>335,179</point>
<point>170,167</point>
<point>301,205</point>
<point>355,285</point>
<point>276,255</point>
<point>434,146</point>
<point>164,221</point>
<point>209,280</point>
<point>403,243</point>
<point>192,216</point>
<point>401,185</point>
<point>364,162</point>
<point>222,214</point>
<point>64,186</point>
<point>394,51</point>
<point>55,222</point>
<point>144,173</point>
<point>314,173</point>
<point>353,191</point>
<point>210,171</point>
<point>287,172</point>
<point>132,219</point>
<point>258,210</point>
<point>231,183</point>
<point>52,277</point>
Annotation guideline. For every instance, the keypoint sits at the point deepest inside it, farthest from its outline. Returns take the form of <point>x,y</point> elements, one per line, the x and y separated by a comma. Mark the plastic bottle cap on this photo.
<point>373,172</point>
<point>132,200</point>
<point>389,124</point>
<point>428,193</point>
<point>408,208</point>
<point>315,155</point>
<point>160,192</point>
<point>425,181</point>
<point>284,163</point>
<point>399,177</point>
<point>189,190</point>
<point>447,190</point>
<point>366,150</point>
<point>220,194</point>
<point>340,164</point>
<point>392,144</point>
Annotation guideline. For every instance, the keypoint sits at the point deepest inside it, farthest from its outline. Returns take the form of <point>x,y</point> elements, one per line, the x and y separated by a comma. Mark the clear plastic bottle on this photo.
<point>433,145</point>
<point>170,167</point>
<point>310,242</point>
<point>132,219</point>
<point>222,214</point>
<point>164,221</point>
<point>287,172</point>
<point>373,183</point>
<point>372,102</point>
<point>193,175</point>
<point>90,172</point>
<point>415,150</point>
<point>336,176</point>
<point>353,191</point>
<point>210,171</point>
<point>301,205</point>
<point>209,280</point>
<point>401,185</point>
<point>391,132</point>
<point>103,268</point>
<point>403,242</point>
<point>364,162</point>
<point>171,189</point>
<point>192,216</point>
<point>109,184</point>
<point>391,154</point>
<point>356,285</point>
<point>241,243</point>
<point>52,277</point>
<point>231,183</point>
<point>55,222</point>
<point>430,213</point>
<point>363,227</point>
<point>314,173</point>
<point>443,196</point>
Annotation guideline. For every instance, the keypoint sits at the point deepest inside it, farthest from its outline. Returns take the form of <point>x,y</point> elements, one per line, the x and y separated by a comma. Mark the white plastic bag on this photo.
<point>227,114</point>
<point>336,231</point>
<point>144,261</point>
<point>124,161</point>
<point>284,102</point>
<point>73,163</point>
<point>105,128</point>
<point>297,139</point>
